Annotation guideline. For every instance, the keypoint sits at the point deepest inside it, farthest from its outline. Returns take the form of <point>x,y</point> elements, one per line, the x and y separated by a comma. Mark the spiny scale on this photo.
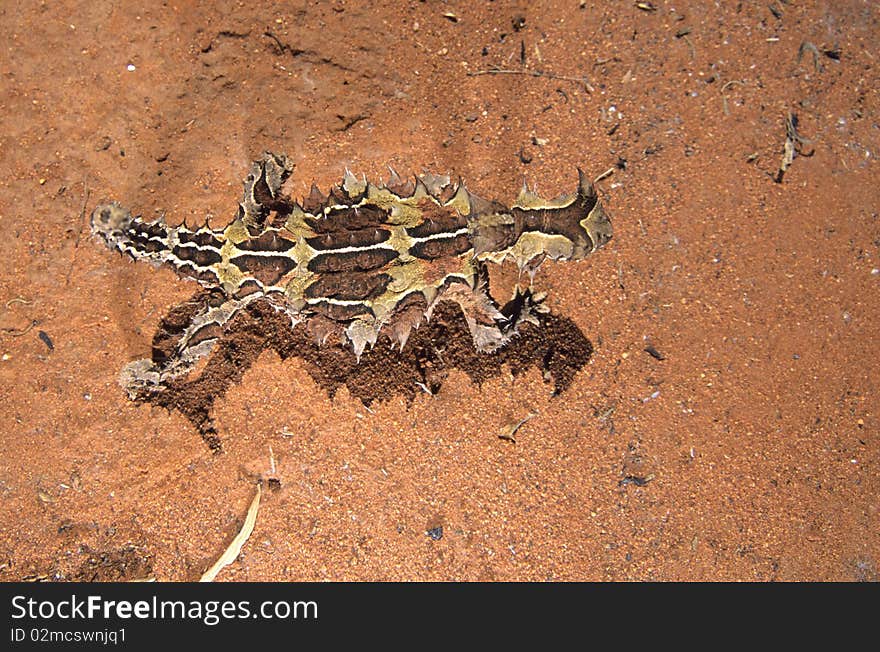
<point>361,260</point>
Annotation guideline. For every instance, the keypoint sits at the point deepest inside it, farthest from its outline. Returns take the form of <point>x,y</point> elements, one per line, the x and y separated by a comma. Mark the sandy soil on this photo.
<point>750,451</point>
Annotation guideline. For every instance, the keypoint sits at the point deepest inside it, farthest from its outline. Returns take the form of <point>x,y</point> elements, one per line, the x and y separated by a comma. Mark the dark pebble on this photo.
<point>46,339</point>
<point>435,533</point>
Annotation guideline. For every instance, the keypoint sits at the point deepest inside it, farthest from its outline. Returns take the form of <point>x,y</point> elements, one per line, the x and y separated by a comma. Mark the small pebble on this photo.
<point>654,353</point>
<point>130,67</point>
<point>435,533</point>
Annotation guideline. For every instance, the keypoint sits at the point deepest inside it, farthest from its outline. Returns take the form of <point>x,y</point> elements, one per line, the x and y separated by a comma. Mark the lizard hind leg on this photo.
<point>262,189</point>
<point>492,327</point>
<point>185,337</point>
<point>524,307</point>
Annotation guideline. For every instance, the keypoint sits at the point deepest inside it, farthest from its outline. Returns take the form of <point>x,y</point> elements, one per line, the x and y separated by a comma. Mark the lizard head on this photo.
<point>569,227</point>
<point>119,230</point>
<point>595,223</point>
<point>110,222</point>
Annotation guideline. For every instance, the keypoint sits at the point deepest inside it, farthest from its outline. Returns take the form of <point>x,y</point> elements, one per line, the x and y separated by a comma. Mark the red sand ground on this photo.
<point>754,442</point>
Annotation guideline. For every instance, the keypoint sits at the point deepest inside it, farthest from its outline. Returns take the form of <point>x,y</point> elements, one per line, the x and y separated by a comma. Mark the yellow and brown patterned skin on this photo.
<point>363,260</point>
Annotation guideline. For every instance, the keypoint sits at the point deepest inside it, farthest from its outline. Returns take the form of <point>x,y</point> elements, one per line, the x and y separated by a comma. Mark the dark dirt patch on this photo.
<point>558,348</point>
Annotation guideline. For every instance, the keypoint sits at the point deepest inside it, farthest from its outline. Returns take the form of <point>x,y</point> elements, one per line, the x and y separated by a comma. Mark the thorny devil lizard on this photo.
<point>363,260</point>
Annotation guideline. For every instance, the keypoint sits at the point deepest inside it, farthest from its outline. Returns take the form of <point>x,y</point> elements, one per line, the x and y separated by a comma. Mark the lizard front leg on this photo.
<point>185,336</point>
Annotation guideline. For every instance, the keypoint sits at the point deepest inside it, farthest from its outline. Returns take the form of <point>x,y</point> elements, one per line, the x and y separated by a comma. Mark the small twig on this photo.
<point>18,332</point>
<point>683,35</point>
<point>281,47</point>
<point>691,47</point>
<point>731,83</point>
<point>724,97</point>
<point>533,73</point>
<point>82,216</point>
<point>607,173</point>
<point>806,46</point>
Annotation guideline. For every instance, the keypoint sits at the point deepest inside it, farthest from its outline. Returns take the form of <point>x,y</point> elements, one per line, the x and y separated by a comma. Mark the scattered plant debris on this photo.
<point>793,143</point>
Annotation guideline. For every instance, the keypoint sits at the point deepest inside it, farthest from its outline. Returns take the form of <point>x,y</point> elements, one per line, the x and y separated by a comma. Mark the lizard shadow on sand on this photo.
<point>558,348</point>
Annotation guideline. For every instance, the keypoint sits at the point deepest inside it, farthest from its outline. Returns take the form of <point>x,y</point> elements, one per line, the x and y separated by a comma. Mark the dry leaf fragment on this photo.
<point>508,431</point>
<point>234,549</point>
